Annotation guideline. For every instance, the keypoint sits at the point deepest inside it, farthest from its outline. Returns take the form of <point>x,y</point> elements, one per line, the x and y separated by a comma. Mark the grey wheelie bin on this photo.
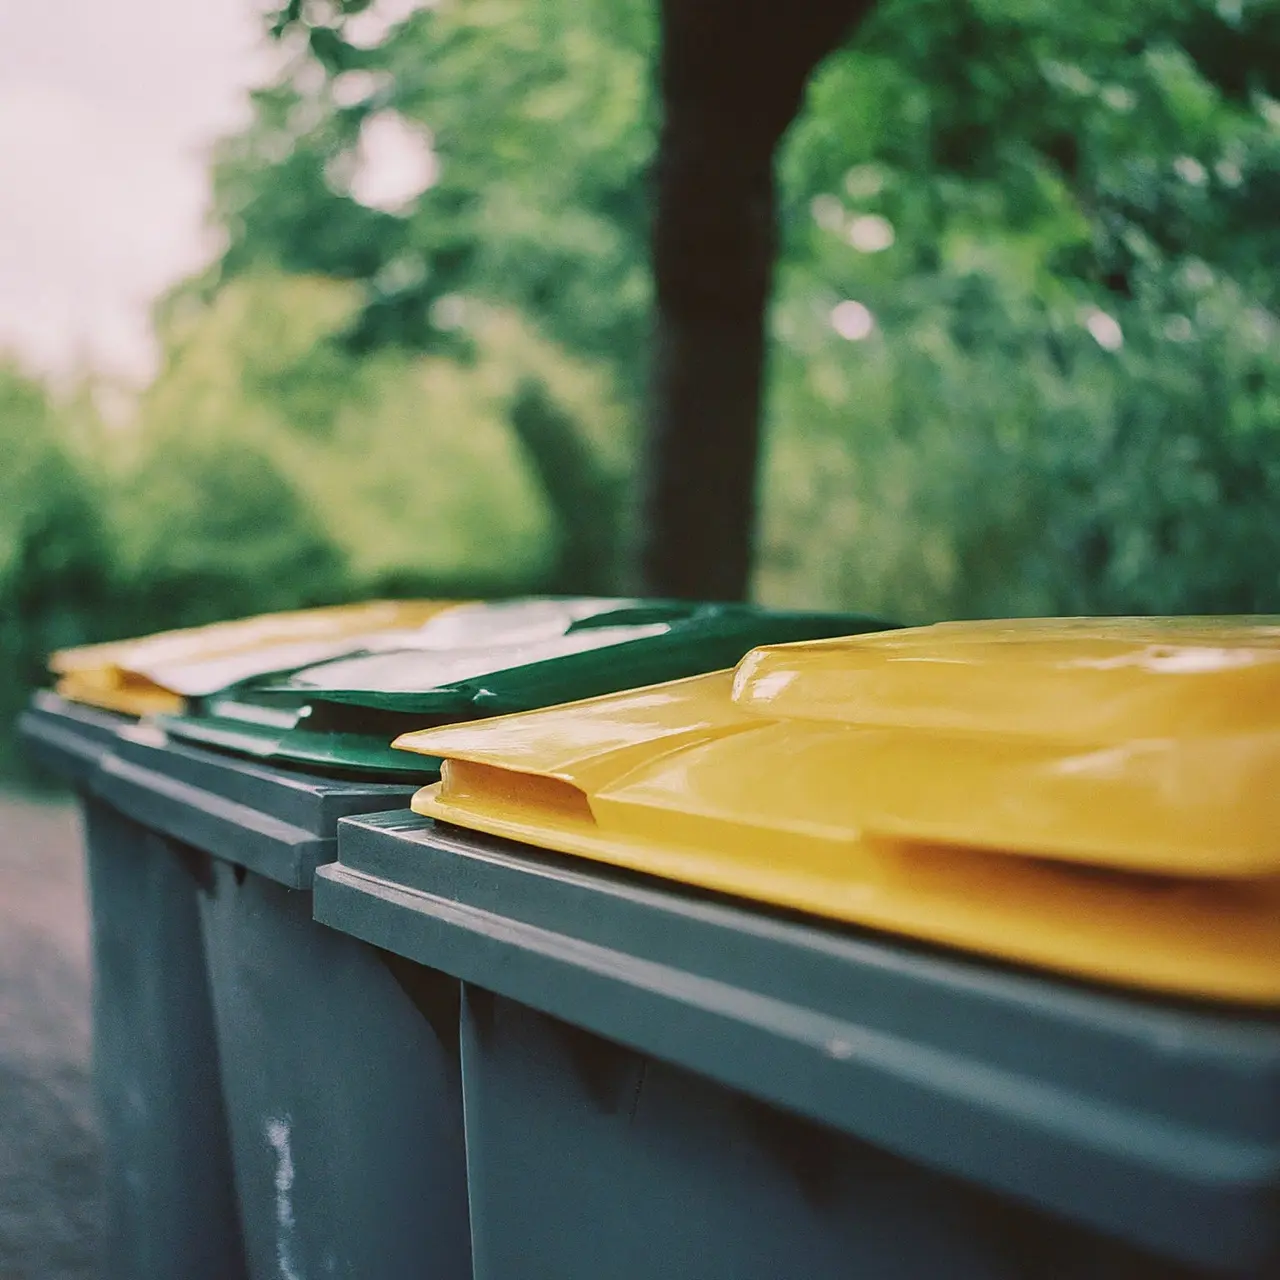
<point>170,1200</point>
<point>946,952</point>
<point>667,1084</point>
<point>170,1203</point>
<point>311,1027</point>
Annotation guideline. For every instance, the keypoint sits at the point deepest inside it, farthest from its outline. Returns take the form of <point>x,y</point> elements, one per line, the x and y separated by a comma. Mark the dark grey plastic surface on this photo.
<point>278,824</point>
<point>168,1187</point>
<point>588,1159</point>
<point>344,1100</point>
<point>68,738</point>
<point>1149,1123</point>
<point>343,1092</point>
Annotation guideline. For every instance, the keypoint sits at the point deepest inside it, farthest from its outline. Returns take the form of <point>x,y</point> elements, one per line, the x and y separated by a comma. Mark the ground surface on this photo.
<point>49,1166</point>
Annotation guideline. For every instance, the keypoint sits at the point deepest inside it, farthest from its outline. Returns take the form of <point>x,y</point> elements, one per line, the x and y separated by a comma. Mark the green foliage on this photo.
<point>417,465</point>
<point>1068,401</point>
<point>1038,171</point>
<point>53,560</point>
<point>1027,471</point>
<point>540,123</point>
<point>216,530</point>
<point>541,120</point>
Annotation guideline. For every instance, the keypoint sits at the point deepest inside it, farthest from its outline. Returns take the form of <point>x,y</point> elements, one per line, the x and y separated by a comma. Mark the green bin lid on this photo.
<point>481,660</point>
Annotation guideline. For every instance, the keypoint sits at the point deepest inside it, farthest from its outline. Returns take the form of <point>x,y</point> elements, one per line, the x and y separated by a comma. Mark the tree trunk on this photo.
<point>584,497</point>
<point>732,76</point>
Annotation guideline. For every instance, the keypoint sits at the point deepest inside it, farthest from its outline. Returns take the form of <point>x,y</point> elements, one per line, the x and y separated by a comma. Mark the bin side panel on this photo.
<point>587,1159</point>
<point>822,1035</point>
<point>171,1207</point>
<point>344,1096</point>
<point>212,823</point>
<point>301,799</point>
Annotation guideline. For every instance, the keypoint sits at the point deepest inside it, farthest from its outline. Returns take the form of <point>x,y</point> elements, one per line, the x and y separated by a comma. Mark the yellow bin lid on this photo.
<point>156,674</point>
<point>1094,796</point>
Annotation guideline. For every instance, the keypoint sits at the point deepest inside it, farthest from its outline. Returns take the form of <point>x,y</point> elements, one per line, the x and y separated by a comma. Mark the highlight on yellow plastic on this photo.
<point>1084,680</point>
<point>157,673</point>
<point>1096,796</point>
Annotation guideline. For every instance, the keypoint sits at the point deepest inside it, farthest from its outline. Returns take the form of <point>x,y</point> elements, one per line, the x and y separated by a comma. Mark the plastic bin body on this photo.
<point>663,1083</point>
<point>590,1159</point>
<point>170,1196</point>
<point>170,1204</point>
<point>345,1164</point>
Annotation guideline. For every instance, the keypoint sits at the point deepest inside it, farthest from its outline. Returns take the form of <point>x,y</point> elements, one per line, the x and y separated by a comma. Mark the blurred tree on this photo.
<point>540,125</point>
<point>214,530</point>
<point>1026,316</point>
<point>1150,121</point>
<point>733,74</point>
<point>1018,222</point>
<point>54,555</point>
<point>1100,155</point>
<point>423,469</point>
<point>519,137</point>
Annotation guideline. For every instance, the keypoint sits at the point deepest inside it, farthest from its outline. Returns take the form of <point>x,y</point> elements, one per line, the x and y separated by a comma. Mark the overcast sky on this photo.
<point>107,109</point>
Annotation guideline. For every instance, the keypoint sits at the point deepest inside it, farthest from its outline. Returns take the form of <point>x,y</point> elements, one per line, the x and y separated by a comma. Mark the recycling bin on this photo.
<point>312,1028</point>
<point>170,1200</point>
<point>1098,798</point>
<point>944,952</point>
<point>659,1082</point>
<point>167,1160</point>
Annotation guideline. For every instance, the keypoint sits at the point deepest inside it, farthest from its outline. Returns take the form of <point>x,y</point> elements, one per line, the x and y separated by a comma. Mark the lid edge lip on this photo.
<point>600,847</point>
<point>1144,1017</point>
<point>223,828</point>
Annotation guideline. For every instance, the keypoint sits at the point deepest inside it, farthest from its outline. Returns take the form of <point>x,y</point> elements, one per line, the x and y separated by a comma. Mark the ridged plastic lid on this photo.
<point>472,660</point>
<point>1126,831</point>
<point>1066,680</point>
<point>531,653</point>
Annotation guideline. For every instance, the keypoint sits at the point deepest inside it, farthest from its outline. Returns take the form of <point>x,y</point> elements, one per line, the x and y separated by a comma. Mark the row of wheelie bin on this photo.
<point>620,938</point>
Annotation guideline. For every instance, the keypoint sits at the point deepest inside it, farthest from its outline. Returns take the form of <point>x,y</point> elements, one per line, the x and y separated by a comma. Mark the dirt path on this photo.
<point>49,1194</point>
